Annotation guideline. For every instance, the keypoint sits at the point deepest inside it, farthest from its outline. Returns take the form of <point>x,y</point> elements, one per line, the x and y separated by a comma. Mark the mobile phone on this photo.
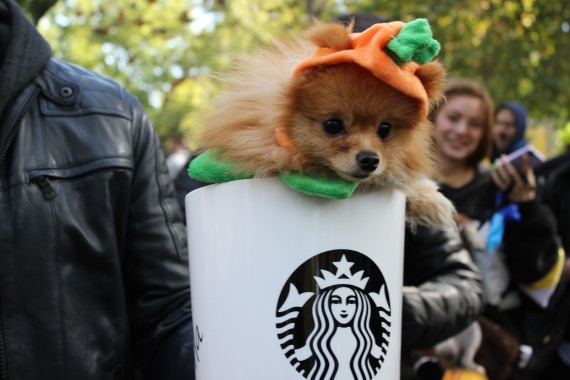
<point>535,158</point>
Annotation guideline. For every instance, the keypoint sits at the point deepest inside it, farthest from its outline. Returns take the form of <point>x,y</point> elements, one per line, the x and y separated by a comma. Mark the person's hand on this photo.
<point>460,219</point>
<point>518,188</point>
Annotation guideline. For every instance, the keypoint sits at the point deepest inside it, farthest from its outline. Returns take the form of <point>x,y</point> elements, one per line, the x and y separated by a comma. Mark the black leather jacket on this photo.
<point>442,293</point>
<point>93,261</point>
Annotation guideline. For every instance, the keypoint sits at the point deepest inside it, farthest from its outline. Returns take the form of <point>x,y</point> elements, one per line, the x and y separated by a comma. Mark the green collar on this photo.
<point>207,167</point>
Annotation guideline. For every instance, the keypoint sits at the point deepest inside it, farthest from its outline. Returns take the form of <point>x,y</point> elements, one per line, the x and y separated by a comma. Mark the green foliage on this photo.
<point>564,135</point>
<point>166,51</point>
<point>517,48</point>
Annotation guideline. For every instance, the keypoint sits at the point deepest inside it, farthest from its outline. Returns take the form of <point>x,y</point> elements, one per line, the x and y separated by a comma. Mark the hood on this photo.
<point>521,123</point>
<point>23,51</point>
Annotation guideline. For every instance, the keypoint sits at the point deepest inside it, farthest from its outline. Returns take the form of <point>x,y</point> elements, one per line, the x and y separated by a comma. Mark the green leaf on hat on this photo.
<point>413,43</point>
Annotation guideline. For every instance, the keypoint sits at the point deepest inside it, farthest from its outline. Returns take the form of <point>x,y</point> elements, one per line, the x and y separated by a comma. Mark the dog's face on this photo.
<point>345,119</point>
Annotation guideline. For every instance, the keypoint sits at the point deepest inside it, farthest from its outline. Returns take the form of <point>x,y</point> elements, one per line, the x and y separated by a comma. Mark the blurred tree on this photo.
<point>564,136</point>
<point>166,51</point>
<point>516,47</point>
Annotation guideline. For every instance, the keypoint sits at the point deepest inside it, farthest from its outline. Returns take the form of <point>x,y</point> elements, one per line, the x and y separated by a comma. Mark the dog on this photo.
<point>462,348</point>
<point>282,112</point>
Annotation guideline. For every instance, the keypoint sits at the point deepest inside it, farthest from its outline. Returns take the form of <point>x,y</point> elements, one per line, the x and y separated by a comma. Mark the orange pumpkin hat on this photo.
<point>392,52</point>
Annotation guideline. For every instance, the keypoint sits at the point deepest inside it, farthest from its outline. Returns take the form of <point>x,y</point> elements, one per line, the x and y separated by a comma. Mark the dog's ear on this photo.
<point>431,75</point>
<point>333,35</point>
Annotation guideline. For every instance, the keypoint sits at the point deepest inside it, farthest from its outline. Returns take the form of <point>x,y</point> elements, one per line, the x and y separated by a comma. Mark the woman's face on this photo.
<point>459,127</point>
<point>343,305</point>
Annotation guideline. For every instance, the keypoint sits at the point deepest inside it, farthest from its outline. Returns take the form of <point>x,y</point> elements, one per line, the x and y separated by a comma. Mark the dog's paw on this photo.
<point>425,205</point>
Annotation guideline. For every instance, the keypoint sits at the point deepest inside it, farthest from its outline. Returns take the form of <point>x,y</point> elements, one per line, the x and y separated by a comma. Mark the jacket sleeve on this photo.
<point>556,192</point>
<point>531,249</point>
<point>442,293</point>
<point>156,264</point>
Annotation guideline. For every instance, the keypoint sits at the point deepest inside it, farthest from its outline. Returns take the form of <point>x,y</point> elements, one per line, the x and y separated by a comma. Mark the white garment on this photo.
<point>494,272</point>
<point>176,161</point>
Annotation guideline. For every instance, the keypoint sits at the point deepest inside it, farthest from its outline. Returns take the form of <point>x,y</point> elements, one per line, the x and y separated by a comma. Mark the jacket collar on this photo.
<point>25,52</point>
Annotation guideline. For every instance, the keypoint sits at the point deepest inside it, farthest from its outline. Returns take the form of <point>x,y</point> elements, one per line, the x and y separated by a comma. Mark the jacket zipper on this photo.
<point>44,182</point>
<point>45,186</point>
<point>3,370</point>
<point>12,135</point>
<point>9,139</point>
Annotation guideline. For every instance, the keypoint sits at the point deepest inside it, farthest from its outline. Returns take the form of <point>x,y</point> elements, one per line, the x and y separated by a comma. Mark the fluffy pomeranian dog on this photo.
<point>284,111</point>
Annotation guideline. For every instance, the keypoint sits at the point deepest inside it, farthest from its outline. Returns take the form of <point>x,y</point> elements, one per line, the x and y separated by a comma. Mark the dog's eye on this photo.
<point>384,130</point>
<point>333,126</point>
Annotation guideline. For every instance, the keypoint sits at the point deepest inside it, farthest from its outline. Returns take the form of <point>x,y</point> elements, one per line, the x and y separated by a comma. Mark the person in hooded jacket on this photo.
<point>509,129</point>
<point>556,195</point>
<point>93,260</point>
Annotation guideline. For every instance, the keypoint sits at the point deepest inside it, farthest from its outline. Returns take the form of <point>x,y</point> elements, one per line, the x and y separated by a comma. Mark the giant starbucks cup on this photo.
<point>288,286</point>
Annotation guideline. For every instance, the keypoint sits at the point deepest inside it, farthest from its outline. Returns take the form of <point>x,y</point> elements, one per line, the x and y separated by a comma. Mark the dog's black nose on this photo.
<point>368,161</point>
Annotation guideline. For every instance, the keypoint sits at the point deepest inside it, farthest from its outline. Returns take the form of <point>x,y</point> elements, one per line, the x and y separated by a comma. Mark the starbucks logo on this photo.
<point>333,317</point>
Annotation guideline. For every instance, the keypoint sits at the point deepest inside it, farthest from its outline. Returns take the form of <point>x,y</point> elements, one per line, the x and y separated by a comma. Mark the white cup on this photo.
<point>287,286</point>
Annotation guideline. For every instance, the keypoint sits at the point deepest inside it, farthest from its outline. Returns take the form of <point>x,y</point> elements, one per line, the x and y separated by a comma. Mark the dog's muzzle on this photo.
<point>367,161</point>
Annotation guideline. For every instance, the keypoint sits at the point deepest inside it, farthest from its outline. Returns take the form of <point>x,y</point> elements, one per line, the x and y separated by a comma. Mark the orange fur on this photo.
<point>333,36</point>
<point>269,121</point>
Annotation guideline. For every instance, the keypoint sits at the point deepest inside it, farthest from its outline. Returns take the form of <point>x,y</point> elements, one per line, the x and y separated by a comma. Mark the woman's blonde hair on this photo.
<point>468,87</point>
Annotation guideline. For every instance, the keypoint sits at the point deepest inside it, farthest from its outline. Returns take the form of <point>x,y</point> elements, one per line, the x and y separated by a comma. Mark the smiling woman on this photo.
<point>463,131</point>
<point>460,128</point>
<point>510,235</point>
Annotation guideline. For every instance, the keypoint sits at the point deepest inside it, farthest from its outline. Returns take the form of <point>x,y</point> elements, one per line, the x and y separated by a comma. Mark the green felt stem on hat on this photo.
<point>414,42</point>
<point>207,167</point>
<point>332,186</point>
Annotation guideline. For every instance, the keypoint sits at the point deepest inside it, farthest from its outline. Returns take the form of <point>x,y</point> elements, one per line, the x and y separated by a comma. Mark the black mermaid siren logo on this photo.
<point>335,324</point>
